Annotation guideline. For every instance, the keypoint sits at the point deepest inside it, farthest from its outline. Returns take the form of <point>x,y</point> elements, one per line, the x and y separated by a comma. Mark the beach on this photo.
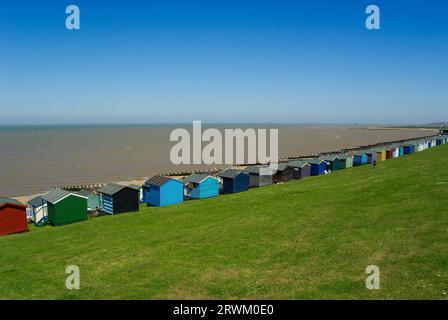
<point>36,159</point>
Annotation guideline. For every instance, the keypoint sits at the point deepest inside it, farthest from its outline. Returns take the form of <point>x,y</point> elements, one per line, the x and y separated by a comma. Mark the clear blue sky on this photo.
<point>175,61</point>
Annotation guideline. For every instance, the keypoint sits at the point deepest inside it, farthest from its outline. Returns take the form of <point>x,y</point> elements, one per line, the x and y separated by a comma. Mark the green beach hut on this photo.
<point>333,162</point>
<point>345,161</point>
<point>65,207</point>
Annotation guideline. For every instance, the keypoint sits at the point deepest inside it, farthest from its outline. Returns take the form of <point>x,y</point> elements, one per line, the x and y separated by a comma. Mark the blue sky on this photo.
<point>242,61</point>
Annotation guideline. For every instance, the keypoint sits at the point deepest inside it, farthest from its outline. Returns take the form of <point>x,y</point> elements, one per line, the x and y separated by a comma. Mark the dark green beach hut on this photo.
<point>333,162</point>
<point>65,207</point>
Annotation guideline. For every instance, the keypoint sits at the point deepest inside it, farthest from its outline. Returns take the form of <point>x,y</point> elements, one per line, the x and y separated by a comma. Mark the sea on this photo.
<point>34,159</point>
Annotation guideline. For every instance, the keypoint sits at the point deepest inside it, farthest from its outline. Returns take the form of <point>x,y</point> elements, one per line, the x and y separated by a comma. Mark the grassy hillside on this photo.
<point>301,240</point>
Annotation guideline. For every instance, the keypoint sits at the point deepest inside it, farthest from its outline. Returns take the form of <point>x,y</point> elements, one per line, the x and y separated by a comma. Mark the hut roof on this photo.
<point>197,178</point>
<point>135,187</point>
<point>36,201</point>
<point>315,161</point>
<point>297,163</point>
<point>360,153</point>
<point>57,195</point>
<point>344,156</point>
<point>230,173</point>
<point>329,158</point>
<point>158,180</point>
<point>280,166</point>
<point>84,193</point>
<point>111,189</point>
<point>257,170</point>
<point>4,200</point>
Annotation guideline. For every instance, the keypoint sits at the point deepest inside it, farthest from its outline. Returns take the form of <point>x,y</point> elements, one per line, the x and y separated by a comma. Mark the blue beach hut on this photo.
<point>318,166</point>
<point>408,149</point>
<point>234,181</point>
<point>201,186</point>
<point>115,198</point>
<point>163,191</point>
<point>401,151</point>
<point>360,159</point>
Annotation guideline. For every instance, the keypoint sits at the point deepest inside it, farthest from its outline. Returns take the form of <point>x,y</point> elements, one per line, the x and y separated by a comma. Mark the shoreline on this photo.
<point>140,181</point>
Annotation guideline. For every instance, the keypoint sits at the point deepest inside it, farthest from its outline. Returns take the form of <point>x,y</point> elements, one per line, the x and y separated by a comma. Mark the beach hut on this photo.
<point>65,207</point>
<point>346,160</point>
<point>93,201</point>
<point>37,210</point>
<point>318,166</point>
<point>12,216</point>
<point>139,189</point>
<point>259,176</point>
<point>418,145</point>
<point>115,198</point>
<point>408,148</point>
<point>282,172</point>
<point>380,154</point>
<point>201,186</point>
<point>163,191</point>
<point>234,181</point>
<point>359,159</point>
<point>389,152</point>
<point>398,151</point>
<point>432,143</point>
<point>302,169</point>
<point>371,155</point>
<point>333,162</point>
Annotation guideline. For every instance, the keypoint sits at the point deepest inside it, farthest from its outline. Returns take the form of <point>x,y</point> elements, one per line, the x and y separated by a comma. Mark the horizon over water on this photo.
<point>35,158</point>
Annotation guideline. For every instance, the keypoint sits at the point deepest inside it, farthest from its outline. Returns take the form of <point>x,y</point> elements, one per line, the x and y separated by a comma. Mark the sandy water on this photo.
<point>35,159</point>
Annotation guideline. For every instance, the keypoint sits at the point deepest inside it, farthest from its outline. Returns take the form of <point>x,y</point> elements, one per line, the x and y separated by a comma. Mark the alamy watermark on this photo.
<point>230,149</point>
<point>73,21</point>
<point>373,280</point>
<point>373,21</point>
<point>73,281</point>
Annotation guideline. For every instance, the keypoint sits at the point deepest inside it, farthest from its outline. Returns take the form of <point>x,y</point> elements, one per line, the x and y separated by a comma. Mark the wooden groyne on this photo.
<point>215,171</point>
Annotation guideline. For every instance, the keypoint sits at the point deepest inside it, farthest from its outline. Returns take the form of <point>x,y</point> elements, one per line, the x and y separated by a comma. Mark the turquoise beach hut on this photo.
<point>201,186</point>
<point>92,199</point>
<point>360,159</point>
<point>163,191</point>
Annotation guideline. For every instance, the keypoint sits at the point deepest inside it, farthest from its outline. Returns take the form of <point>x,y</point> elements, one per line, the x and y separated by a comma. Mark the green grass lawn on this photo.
<point>300,240</point>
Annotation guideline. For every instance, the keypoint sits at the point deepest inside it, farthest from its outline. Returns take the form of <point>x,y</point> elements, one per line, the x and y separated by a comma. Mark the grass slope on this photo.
<point>301,240</point>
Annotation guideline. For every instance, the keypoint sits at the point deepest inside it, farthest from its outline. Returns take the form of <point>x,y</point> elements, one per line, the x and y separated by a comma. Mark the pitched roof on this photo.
<point>257,169</point>
<point>197,178</point>
<point>57,195</point>
<point>315,161</point>
<point>297,163</point>
<point>282,166</point>
<point>36,201</point>
<point>329,158</point>
<point>230,173</point>
<point>135,187</point>
<point>84,193</point>
<point>4,200</point>
<point>159,180</point>
<point>360,153</point>
<point>111,188</point>
<point>344,156</point>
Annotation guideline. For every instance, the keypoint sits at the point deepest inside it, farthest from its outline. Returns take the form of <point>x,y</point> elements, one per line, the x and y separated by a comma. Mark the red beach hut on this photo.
<point>12,216</point>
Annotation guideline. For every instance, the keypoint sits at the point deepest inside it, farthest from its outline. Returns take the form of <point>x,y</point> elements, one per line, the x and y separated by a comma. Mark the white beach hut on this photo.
<point>37,210</point>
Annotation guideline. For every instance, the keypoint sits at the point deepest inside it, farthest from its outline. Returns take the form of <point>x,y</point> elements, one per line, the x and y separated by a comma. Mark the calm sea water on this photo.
<point>35,159</point>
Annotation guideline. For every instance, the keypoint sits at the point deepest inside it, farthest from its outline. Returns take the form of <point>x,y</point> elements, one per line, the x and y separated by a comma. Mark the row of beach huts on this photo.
<point>61,206</point>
